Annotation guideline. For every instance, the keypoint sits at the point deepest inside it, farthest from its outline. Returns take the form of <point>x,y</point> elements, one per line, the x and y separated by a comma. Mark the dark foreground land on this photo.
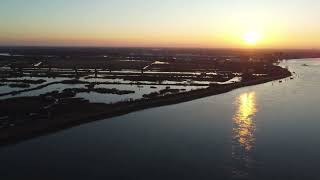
<point>30,116</point>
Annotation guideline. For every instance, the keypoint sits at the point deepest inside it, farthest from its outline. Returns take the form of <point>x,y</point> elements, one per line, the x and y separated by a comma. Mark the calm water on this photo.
<point>269,131</point>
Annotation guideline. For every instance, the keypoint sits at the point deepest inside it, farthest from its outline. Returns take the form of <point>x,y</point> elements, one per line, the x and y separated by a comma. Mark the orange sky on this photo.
<point>174,23</point>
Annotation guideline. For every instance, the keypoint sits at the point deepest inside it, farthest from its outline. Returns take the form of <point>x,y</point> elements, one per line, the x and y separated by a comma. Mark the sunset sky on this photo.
<point>161,23</point>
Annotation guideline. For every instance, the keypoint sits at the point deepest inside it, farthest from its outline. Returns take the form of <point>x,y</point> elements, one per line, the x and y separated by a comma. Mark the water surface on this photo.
<point>268,131</point>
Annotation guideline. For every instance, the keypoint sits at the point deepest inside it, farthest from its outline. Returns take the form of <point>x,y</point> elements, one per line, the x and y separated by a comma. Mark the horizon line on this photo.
<point>153,47</point>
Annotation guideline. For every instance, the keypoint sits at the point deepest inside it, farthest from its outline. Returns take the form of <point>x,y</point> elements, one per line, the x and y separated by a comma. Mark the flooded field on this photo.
<point>139,88</point>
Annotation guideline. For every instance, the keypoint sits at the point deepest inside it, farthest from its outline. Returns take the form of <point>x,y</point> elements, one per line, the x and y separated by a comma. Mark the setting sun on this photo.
<point>252,38</point>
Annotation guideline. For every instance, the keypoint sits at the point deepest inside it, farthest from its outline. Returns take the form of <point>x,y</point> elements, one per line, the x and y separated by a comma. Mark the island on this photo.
<point>44,91</point>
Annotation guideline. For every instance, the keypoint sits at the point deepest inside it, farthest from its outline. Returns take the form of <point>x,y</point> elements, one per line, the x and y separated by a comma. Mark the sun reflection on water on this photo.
<point>244,125</point>
<point>244,128</point>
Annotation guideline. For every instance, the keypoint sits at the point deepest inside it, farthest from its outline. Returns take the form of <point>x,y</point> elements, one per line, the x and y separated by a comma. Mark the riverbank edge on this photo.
<point>15,135</point>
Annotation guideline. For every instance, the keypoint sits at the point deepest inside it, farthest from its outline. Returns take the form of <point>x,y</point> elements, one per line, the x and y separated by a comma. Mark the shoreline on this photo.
<point>39,128</point>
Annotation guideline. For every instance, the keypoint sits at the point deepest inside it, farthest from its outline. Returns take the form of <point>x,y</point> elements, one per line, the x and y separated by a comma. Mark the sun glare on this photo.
<point>252,38</point>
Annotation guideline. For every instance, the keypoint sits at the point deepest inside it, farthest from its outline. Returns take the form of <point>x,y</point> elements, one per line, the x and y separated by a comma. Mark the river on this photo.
<point>268,131</point>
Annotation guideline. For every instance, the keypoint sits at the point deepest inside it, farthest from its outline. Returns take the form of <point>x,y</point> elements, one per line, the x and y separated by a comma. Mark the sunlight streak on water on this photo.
<point>244,126</point>
<point>244,129</point>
